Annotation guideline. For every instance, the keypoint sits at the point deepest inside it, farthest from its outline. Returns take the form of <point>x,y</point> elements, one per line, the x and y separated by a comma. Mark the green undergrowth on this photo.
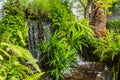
<point>114,24</point>
<point>13,37</point>
<point>67,38</point>
<point>108,50</point>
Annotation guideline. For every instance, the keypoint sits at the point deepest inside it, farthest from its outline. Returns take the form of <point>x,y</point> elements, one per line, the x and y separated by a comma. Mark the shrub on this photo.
<point>13,29</point>
<point>12,63</point>
<point>67,38</point>
<point>57,55</point>
<point>108,49</point>
<point>113,24</point>
<point>13,35</point>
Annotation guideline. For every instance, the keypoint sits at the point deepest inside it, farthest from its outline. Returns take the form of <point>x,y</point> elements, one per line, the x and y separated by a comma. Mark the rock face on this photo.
<point>89,71</point>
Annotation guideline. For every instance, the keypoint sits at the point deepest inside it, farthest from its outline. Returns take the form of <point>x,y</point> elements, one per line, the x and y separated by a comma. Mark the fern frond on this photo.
<point>1,57</point>
<point>21,38</point>
<point>34,76</point>
<point>21,52</point>
<point>3,51</point>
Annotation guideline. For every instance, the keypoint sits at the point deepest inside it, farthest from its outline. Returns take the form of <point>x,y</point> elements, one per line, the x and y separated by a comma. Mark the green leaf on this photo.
<point>21,52</point>
<point>1,57</point>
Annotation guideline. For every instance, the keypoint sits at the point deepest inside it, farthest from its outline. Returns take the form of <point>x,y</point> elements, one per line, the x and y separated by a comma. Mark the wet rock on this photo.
<point>85,70</point>
<point>89,71</point>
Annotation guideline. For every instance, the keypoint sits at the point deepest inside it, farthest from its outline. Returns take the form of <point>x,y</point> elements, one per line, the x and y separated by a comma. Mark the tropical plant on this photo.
<point>13,36</point>
<point>80,34</point>
<point>57,55</point>
<point>60,17</point>
<point>13,29</point>
<point>113,24</point>
<point>108,50</point>
<point>67,38</point>
<point>12,63</point>
<point>108,47</point>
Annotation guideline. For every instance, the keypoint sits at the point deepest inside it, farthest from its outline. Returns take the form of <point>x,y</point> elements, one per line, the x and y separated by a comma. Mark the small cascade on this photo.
<point>38,31</point>
<point>46,28</point>
<point>35,35</point>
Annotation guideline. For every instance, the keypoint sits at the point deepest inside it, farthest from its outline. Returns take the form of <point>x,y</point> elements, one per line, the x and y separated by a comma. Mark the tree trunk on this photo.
<point>86,13</point>
<point>87,9</point>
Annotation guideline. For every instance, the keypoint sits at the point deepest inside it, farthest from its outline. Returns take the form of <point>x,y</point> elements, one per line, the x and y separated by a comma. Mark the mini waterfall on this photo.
<point>38,31</point>
<point>46,28</point>
<point>35,35</point>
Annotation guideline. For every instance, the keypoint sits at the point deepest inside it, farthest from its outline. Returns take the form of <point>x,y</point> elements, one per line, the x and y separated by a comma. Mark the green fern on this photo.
<point>12,67</point>
<point>21,52</point>
<point>33,76</point>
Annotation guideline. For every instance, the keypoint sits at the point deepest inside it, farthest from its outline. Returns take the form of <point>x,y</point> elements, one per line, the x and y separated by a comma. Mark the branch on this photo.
<point>82,4</point>
<point>88,3</point>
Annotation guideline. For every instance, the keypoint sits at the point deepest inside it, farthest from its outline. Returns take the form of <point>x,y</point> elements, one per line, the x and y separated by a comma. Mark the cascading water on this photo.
<point>38,31</point>
<point>33,39</point>
<point>46,27</point>
<point>1,8</point>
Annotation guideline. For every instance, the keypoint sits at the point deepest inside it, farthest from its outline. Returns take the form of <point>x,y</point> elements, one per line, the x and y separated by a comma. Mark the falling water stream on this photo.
<point>33,39</point>
<point>46,27</point>
<point>37,33</point>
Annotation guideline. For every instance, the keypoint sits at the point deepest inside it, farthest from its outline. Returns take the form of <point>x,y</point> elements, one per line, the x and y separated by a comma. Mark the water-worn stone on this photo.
<point>89,71</point>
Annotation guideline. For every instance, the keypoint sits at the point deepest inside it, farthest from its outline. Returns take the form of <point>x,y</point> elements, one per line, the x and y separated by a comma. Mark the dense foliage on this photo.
<point>68,35</point>
<point>13,36</point>
<point>116,6</point>
<point>57,55</point>
<point>13,29</point>
<point>12,63</point>
<point>113,24</point>
<point>108,49</point>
